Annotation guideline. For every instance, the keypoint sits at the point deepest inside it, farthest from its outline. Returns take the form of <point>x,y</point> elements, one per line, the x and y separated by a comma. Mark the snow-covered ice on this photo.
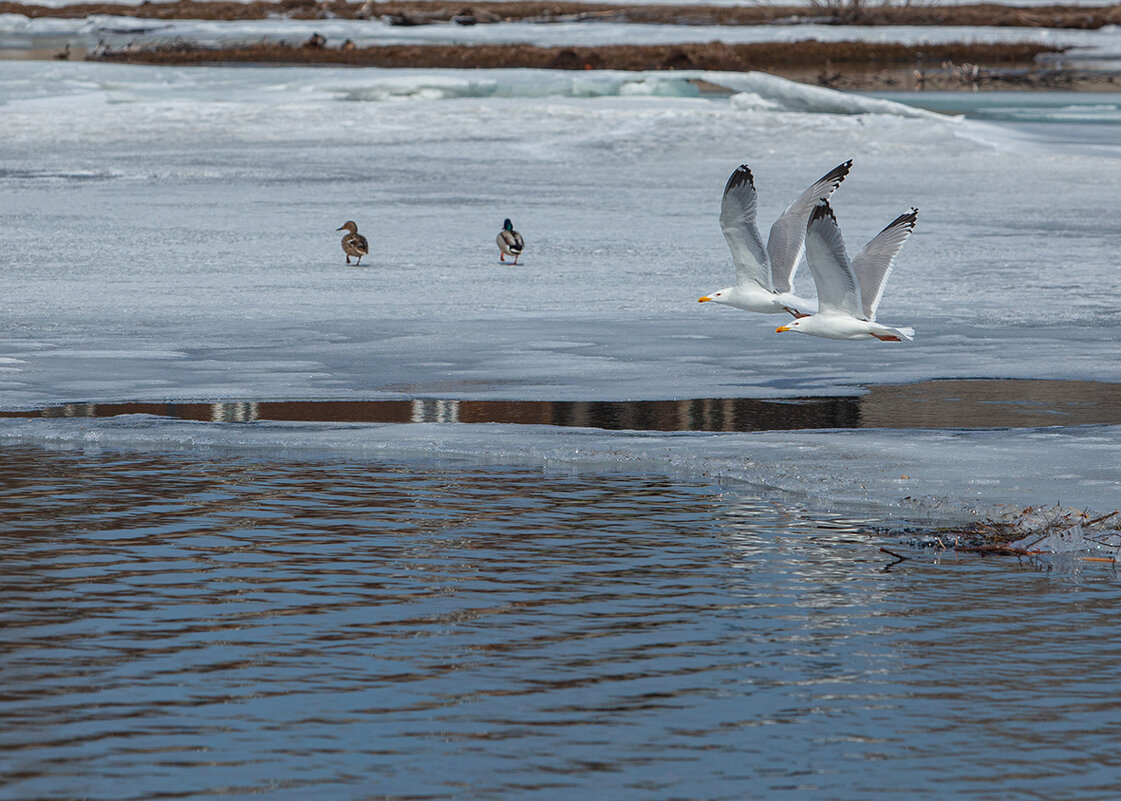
<point>17,30</point>
<point>170,234</point>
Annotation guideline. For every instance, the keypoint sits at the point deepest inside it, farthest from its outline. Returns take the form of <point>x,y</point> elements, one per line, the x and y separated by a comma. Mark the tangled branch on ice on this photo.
<point>1047,530</point>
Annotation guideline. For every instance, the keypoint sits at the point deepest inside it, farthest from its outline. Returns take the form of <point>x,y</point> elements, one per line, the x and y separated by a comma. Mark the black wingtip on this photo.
<point>838,173</point>
<point>821,211</point>
<point>741,176</point>
<point>907,220</point>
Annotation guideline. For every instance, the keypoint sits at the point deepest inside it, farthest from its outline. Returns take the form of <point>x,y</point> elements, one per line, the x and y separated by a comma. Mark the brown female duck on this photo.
<point>354,244</point>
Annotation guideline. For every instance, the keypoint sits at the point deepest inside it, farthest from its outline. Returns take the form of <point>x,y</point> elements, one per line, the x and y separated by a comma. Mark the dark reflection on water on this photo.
<point>181,626</point>
<point>973,403</point>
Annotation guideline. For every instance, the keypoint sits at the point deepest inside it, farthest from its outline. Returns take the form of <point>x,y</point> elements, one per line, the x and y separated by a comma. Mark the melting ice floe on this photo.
<point>27,86</point>
<point>751,90</point>
<point>922,476</point>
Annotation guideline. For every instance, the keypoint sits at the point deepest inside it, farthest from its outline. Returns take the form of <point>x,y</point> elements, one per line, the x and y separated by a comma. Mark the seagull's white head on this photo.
<point>723,296</point>
<point>793,325</point>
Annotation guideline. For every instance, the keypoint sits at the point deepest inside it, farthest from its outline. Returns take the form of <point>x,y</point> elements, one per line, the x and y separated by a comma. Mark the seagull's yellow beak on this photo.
<point>782,328</point>
<point>705,299</point>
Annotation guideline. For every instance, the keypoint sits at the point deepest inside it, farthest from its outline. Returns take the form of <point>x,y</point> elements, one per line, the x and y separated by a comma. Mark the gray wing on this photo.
<point>873,263</point>
<point>837,287</point>
<point>737,220</point>
<point>788,235</point>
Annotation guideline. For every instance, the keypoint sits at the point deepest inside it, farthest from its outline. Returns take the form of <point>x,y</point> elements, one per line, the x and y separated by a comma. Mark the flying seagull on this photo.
<point>764,275</point>
<point>848,292</point>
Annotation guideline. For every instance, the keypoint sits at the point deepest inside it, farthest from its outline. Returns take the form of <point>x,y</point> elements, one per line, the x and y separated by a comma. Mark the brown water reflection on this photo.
<point>971,403</point>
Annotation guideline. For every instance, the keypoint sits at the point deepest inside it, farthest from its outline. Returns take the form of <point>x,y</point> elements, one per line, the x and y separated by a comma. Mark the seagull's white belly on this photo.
<point>762,301</point>
<point>838,326</point>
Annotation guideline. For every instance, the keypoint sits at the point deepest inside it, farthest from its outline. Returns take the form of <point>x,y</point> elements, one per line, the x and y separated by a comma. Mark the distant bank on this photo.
<point>860,65</point>
<point>421,12</point>
<point>840,65</point>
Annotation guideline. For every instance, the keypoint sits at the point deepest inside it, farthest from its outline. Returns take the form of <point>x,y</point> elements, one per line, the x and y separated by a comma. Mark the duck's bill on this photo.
<point>705,299</point>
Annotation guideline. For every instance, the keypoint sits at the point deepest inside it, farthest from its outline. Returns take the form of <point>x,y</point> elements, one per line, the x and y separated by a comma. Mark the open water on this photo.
<point>207,624</point>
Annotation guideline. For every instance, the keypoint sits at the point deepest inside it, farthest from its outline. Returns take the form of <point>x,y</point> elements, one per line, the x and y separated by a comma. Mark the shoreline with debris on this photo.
<point>839,65</point>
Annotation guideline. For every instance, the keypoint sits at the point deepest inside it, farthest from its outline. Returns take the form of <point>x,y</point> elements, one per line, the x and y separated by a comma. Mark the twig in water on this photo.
<point>898,557</point>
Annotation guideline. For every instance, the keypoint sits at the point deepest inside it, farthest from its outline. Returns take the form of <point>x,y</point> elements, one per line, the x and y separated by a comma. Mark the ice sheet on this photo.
<point>1087,50</point>
<point>170,235</point>
<point>920,476</point>
<point>17,30</point>
<point>72,86</point>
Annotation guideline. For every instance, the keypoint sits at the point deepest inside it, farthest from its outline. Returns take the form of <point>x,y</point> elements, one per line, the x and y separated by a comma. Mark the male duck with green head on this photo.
<point>510,242</point>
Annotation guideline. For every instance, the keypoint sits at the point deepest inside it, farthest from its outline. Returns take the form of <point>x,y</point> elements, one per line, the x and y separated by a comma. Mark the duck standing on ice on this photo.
<point>354,244</point>
<point>510,242</point>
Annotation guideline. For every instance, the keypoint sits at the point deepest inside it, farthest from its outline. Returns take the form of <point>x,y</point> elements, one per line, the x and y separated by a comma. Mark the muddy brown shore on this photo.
<point>851,65</point>
<point>419,12</point>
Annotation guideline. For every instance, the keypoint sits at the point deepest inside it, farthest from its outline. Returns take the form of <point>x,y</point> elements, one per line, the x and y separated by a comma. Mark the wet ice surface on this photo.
<point>240,626</point>
<point>172,235</point>
<point>926,476</point>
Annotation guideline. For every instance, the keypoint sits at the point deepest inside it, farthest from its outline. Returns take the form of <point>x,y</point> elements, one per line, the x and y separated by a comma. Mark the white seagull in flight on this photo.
<point>764,275</point>
<point>848,292</point>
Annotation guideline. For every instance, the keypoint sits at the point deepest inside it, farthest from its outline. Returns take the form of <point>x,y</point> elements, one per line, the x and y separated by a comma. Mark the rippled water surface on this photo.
<point>196,625</point>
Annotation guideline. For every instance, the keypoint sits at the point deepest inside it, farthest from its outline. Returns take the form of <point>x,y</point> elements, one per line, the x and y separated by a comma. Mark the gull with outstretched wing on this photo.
<point>764,273</point>
<point>848,292</point>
